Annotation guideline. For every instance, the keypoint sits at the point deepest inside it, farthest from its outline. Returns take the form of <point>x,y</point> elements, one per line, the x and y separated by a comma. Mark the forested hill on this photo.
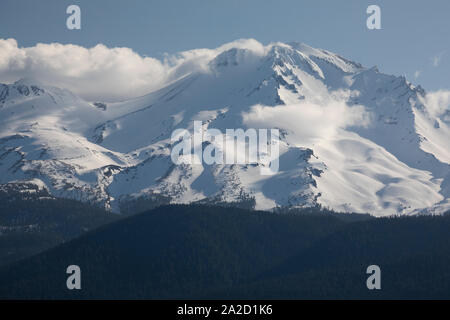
<point>214,252</point>
<point>31,220</point>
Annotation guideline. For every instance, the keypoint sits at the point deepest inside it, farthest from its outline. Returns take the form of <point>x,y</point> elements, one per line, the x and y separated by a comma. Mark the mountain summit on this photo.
<point>352,138</point>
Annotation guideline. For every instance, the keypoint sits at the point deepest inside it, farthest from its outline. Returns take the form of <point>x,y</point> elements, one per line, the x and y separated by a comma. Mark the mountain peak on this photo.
<point>120,156</point>
<point>21,88</point>
<point>28,81</point>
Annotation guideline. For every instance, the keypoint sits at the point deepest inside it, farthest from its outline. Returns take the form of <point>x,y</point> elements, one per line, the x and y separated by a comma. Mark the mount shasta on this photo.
<point>352,139</point>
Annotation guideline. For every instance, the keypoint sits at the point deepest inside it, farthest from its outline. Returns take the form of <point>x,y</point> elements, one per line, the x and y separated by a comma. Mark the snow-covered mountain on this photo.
<point>352,138</point>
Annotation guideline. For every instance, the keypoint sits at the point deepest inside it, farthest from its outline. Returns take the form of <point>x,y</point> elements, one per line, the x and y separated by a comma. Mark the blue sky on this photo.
<point>414,40</point>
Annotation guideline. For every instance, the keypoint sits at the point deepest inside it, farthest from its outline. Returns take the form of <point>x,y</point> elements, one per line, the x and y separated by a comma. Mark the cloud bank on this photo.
<point>102,73</point>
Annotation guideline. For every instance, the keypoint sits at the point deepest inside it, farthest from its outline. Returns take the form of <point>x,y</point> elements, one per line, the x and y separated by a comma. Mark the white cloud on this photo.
<point>437,102</point>
<point>417,74</point>
<point>102,73</point>
<point>436,60</point>
<point>308,122</point>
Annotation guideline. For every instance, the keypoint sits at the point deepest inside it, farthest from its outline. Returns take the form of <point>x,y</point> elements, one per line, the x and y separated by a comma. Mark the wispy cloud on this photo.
<point>417,74</point>
<point>436,60</point>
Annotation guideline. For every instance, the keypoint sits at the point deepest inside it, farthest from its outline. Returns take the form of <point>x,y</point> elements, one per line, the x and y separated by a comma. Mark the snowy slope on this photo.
<point>353,139</point>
